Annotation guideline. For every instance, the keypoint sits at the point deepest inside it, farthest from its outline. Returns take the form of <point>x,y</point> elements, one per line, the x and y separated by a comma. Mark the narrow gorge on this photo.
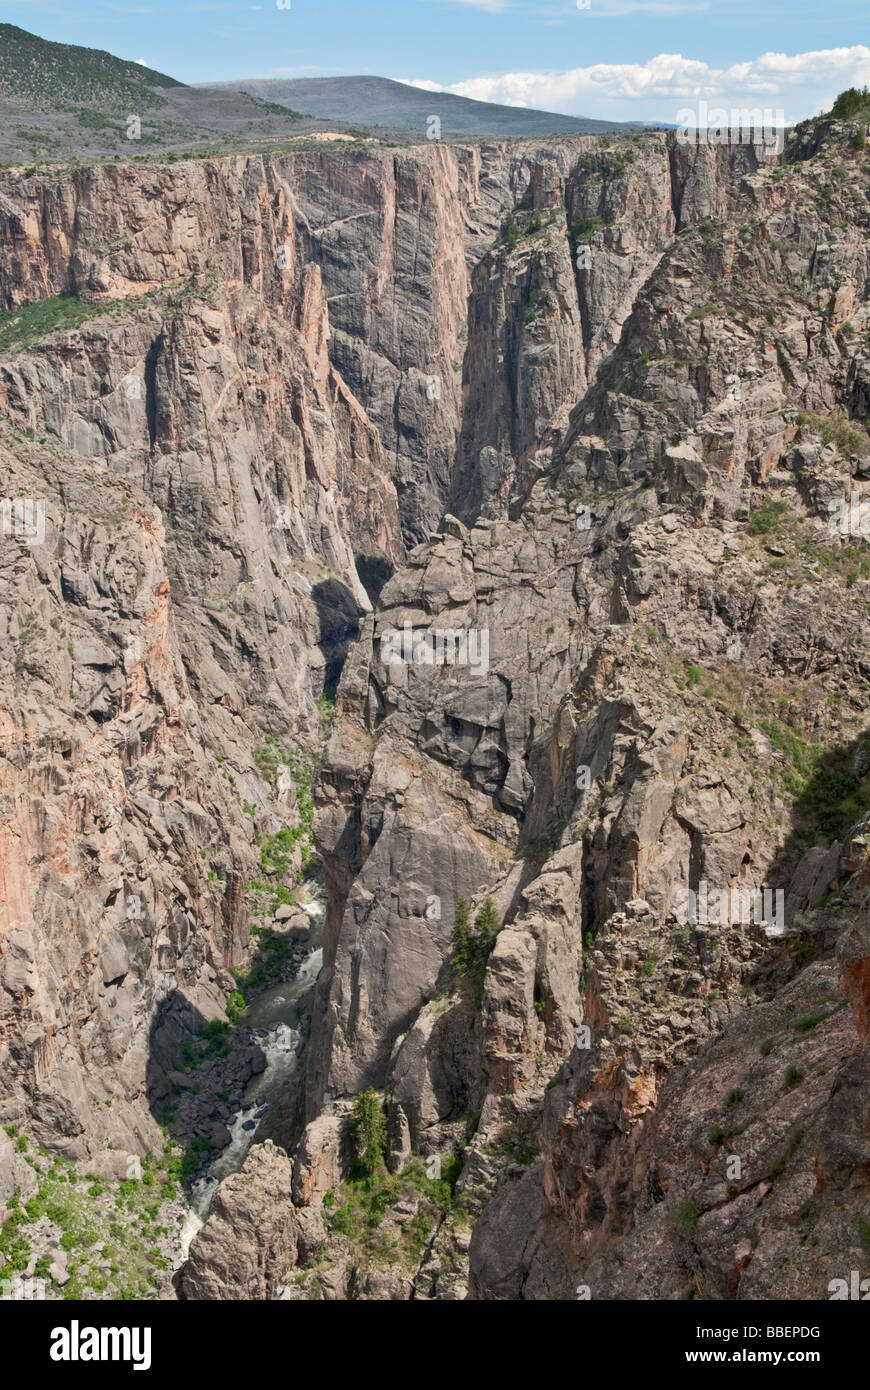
<point>584,408</point>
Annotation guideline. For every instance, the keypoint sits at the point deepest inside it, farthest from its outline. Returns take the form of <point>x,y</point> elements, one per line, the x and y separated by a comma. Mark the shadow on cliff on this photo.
<point>338,614</point>
<point>196,1075</point>
<point>833,793</point>
<point>373,571</point>
<point>198,1070</point>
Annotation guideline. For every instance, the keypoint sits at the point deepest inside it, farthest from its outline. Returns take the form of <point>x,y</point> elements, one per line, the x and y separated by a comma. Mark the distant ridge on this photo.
<point>378,103</point>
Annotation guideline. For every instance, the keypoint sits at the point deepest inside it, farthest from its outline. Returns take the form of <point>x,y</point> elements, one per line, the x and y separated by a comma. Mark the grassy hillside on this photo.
<point>60,102</point>
<point>45,75</point>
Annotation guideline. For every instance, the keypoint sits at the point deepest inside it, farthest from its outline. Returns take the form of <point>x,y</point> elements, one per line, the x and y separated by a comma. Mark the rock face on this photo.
<point>663,707</point>
<point>549,453</point>
<point>217,503</point>
<point>248,1245</point>
<point>106,797</point>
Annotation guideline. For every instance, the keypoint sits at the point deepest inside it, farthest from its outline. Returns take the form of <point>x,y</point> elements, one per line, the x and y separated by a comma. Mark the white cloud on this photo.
<point>657,9</point>
<point>801,84</point>
<point>649,7</point>
<point>560,10</point>
<point>493,6</point>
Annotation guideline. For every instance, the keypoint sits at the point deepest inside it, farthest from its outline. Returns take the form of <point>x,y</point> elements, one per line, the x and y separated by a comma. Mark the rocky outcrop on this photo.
<point>547,307</point>
<point>247,1248</point>
<point>206,484</point>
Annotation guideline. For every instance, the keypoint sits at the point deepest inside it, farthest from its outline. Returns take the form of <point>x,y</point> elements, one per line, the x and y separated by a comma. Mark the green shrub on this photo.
<point>850,102</point>
<point>369,1131</point>
<point>686,1214</point>
<point>767,517</point>
<point>27,324</point>
<point>276,849</point>
<point>584,225</point>
<point>342,1221</point>
<point>235,1005</point>
<point>510,232</point>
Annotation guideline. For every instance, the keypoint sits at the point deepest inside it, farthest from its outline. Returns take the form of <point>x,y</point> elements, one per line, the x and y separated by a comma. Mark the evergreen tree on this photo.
<point>369,1130</point>
<point>472,944</point>
<point>850,101</point>
<point>462,934</point>
<point>487,925</point>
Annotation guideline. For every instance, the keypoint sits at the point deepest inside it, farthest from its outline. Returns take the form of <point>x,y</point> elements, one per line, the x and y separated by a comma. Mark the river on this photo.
<point>272,1018</point>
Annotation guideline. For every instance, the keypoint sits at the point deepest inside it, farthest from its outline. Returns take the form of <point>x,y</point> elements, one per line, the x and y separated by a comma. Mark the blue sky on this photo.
<point>623,59</point>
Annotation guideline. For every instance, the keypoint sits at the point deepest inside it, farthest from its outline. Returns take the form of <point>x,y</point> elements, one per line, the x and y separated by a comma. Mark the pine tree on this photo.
<point>850,101</point>
<point>472,945</point>
<point>462,934</point>
<point>487,924</point>
<point>369,1130</point>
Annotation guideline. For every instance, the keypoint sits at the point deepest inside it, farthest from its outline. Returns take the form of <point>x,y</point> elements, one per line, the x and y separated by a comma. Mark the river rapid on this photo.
<point>273,1019</point>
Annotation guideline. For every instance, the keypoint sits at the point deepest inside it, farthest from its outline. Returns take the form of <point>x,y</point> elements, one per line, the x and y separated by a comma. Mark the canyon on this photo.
<point>597,398</point>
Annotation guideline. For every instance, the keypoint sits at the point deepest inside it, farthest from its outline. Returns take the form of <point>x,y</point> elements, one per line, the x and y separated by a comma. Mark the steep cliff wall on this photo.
<point>675,693</point>
<point>182,332</point>
<point>301,403</point>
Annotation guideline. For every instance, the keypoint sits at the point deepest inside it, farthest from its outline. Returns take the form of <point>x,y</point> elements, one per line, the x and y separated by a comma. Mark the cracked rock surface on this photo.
<point>321,403</point>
